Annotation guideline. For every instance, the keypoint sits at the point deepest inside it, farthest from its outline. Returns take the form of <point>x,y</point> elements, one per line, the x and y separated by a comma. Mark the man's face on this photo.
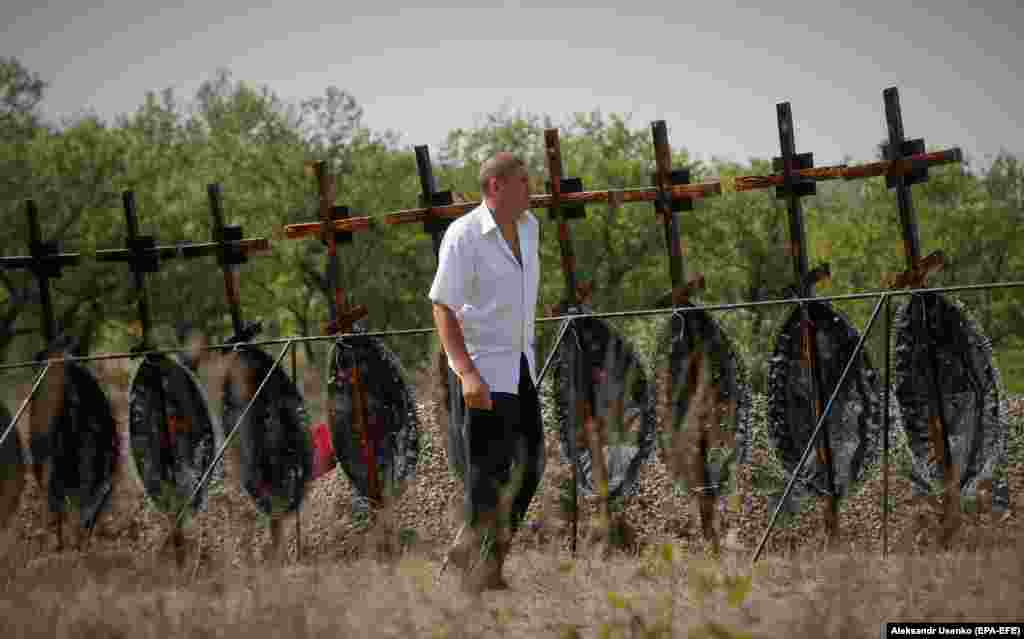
<point>513,192</point>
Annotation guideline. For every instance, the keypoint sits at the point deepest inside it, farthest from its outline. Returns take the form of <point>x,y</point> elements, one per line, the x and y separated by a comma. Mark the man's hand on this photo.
<point>475,391</point>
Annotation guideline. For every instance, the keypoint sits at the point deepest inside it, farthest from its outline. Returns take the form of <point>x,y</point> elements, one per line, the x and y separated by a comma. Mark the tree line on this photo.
<point>255,144</point>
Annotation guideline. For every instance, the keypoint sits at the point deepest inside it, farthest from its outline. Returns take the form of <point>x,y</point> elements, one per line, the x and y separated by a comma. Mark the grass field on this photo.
<point>663,595</point>
<point>124,585</point>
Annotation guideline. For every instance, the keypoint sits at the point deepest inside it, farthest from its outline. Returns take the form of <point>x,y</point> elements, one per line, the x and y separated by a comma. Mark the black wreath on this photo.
<point>612,370</point>
<point>276,452</point>
<point>390,404</point>
<point>971,391</point>
<point>855,420</point>
<point>683,334</point>
<point>170,461</point>
<point>12,468</point>
<point>81,445</point>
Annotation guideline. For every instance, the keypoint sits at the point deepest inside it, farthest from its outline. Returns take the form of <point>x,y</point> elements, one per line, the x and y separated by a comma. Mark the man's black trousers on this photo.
<point>506,444</point>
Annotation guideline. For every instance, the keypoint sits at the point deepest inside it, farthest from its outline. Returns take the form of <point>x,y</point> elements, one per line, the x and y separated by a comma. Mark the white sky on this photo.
<point>713,70</point>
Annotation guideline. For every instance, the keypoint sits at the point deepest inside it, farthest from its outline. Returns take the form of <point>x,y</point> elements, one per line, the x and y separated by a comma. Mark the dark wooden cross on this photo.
<point>143,256</point>
<point>229,256</point>
<point>436,226</point>
<point>46,262</point>
<point>792,190</point>
<point>916,276</point>
<point>666,208</point>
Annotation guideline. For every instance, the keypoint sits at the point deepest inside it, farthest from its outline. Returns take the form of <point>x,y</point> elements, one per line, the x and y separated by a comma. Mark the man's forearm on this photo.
<point>452,340</point>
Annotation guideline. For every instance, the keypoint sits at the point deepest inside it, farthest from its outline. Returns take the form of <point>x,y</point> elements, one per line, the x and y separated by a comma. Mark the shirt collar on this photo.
<point>487,223</point>
<point>486,218</point>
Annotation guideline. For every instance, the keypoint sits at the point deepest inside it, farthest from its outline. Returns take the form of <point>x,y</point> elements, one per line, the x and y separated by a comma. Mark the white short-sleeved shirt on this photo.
<point>493,298</point>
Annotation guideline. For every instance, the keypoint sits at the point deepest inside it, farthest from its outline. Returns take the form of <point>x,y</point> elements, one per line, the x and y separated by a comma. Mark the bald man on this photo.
<point>485,300</point>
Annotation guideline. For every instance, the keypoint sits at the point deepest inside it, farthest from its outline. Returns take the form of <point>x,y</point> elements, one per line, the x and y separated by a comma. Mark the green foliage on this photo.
<point>21,91</point>
<point>1015,440</point>
<point>255,145</point>
<point>705,580</point>
<point>1010,361</point>
<point>636,626</point>
<point>407,537</point>
<point>565,500</point>
<point>768,478</point>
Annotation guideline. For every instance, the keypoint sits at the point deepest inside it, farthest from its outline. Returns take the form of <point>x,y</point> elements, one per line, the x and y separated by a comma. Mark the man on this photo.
<point>485,299</point>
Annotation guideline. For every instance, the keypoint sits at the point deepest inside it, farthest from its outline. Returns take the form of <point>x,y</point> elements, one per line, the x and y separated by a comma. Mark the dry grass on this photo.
<point>125,583</point>
<point>656,595</point>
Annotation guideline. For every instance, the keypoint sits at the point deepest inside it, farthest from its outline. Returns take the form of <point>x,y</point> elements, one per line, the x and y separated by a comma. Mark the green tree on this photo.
<point>256,145</point>
<point>70,174</point>
<point>21,92</point>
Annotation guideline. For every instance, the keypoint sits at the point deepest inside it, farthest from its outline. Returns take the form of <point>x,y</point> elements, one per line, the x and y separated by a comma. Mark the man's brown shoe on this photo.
<point>459,554</point>
<point>484,559</point>
<point>495,578</point>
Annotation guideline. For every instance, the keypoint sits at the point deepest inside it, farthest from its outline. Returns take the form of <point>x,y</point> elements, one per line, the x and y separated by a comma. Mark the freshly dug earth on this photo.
<point>231,532</point>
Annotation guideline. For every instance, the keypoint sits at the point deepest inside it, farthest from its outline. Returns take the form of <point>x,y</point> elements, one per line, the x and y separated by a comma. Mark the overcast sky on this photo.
<point>713,70</point>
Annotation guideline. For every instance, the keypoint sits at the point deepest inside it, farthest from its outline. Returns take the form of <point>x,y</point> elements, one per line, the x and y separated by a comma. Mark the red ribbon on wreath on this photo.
<point>324,458</point>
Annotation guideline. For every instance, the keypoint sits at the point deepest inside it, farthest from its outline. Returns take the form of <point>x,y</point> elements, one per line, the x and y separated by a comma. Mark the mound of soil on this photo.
<point>230,531</point>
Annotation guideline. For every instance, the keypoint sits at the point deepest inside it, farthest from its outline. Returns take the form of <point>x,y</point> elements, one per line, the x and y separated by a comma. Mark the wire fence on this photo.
<point>882,302</point>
